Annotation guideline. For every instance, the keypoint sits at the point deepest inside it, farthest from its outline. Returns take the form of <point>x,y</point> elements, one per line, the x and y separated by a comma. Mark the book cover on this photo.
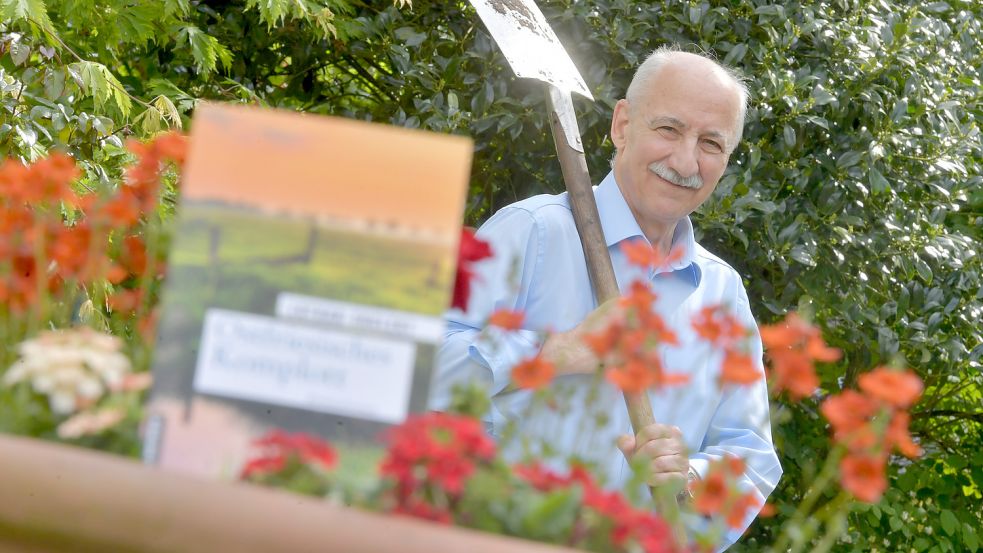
<point>311,262</point>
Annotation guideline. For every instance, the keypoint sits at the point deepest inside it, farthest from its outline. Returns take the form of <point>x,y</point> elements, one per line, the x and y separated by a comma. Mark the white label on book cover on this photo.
<point>264,359</point>
<point>422,328</point>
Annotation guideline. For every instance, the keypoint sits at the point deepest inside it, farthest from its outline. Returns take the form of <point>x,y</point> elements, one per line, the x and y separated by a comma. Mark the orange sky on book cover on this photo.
<point>317,165</point>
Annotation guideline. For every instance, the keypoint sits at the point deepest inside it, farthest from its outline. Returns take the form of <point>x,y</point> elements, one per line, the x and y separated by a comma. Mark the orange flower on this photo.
<point>848,412</point>
<point>710,494</point>
<point>507,319</point>
<point>172,145</point>
<point>657,327</point>
<point>122,210</point>
<point>533,373</point>
<point>793,372</point>
<point>896,388</point>
<point>738,368</point>
<point>126,300</point>
<point>793,346</point>
<point>50,180</point>
<point>640,253</point>
<point>719,493</point>
<point>715,325</point>
<point>69,249</point>
<point>897,436</point>
<point>635,376</point>
<point>639,296</point>
<point>739,509</point>
<point>863,476</point>
<point>603,342</point>
<point>787,333</point>
<point>817,349</point>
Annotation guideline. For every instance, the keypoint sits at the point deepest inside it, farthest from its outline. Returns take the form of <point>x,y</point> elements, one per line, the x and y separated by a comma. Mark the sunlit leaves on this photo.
<point>99,82</point>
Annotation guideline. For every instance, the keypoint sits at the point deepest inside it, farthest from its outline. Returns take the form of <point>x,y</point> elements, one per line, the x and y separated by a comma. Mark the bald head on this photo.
<point>706,69</point>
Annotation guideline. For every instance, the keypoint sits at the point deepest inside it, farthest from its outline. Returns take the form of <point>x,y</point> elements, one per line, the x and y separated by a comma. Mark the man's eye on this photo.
<point>668,131</point>
<point>713,146</point>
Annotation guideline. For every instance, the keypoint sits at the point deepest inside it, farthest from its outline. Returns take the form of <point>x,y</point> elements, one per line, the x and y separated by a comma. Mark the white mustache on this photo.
<point>661,169</point>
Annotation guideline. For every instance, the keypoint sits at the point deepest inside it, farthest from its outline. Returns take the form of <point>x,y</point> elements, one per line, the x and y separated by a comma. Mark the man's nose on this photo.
<point>684,159</point>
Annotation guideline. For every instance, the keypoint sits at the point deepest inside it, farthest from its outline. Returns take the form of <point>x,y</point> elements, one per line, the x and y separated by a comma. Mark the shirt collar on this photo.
<point>618,223</point>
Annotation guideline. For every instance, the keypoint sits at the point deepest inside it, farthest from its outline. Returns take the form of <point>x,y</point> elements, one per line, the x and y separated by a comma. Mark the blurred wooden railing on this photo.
<point>64,499</point>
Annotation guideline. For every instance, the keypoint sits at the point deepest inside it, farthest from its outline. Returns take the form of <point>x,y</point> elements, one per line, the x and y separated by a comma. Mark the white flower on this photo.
<point>73,367</point>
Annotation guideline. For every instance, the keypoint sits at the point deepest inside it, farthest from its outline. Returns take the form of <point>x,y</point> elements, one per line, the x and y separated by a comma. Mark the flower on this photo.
<point>896,388</point>
<point>471,249</point>
<point>719,492</point>
<point>738,368</point>
<point>863,476</point>
<point>717,326</point>
<point>793,347</point>
<point>641,253</point>
<point>533,373</point>
<point>278,448</point>
<point>849,413</point>
<point>507,319</point>
<point>73,367</point>
<point>635,375</point>
<point>448,449</point>
<point>897,436</point>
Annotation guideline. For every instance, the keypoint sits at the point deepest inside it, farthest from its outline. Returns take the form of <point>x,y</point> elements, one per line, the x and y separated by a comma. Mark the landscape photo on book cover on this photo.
<point>300,295</point>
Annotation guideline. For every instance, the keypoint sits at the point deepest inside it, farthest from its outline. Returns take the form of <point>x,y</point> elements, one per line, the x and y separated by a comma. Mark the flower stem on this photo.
<point>790,528</point>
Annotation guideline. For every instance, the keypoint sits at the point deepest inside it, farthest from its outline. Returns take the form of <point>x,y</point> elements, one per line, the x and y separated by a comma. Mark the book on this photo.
<point>312,260</point>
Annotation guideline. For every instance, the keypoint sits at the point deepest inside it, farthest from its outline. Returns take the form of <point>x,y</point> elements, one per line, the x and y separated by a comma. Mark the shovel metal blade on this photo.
<point>529,43</point>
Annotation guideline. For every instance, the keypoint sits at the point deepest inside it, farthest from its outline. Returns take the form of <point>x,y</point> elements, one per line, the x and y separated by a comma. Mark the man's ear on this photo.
<point>619,123</point>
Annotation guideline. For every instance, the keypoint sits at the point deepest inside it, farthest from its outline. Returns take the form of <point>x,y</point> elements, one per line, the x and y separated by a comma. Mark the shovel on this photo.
<point>534,52</point>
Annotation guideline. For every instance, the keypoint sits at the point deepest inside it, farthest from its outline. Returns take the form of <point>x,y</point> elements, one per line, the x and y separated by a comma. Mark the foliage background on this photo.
<point>856,195</point>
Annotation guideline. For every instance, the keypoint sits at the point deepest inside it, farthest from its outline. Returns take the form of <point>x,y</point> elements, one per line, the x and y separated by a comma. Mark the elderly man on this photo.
<point>673,134</point>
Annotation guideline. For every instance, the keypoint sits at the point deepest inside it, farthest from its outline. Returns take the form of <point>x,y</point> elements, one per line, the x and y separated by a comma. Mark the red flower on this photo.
<point>447,448</point>
<point>262,465</point>
<point>277,447</point>
<point>471,249</point>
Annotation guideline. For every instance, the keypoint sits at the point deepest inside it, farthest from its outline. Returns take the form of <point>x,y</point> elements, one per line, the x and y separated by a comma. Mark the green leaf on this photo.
<point>922,269</point>
<point>949,522</point>
<point>789,135</point>
<point>150,121</point>
<point>19,52</point>
<point>803,256</point>
<point>99,83</point>
<point>34,11</point>
<point>878,184</point>
<point>168,111</point>
<point>822,96</point>
<point>409,36</point>
<point>205,49</point>
<point>970,539</point>
<point>849,159</point>
<point>54,84</point>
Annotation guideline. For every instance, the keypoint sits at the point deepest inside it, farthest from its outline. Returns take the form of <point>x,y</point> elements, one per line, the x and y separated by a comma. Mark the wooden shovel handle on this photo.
<point>573,164</point>
<point>574,167</point>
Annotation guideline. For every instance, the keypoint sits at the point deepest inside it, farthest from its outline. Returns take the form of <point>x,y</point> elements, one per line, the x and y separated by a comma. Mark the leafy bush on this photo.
<point>855,196</point>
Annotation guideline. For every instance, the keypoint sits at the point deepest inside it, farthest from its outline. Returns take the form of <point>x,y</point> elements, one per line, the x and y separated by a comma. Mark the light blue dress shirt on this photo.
<point>538,267</point>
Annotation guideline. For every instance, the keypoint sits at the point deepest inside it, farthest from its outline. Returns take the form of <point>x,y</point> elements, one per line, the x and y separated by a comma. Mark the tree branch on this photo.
<point>978,416</point>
